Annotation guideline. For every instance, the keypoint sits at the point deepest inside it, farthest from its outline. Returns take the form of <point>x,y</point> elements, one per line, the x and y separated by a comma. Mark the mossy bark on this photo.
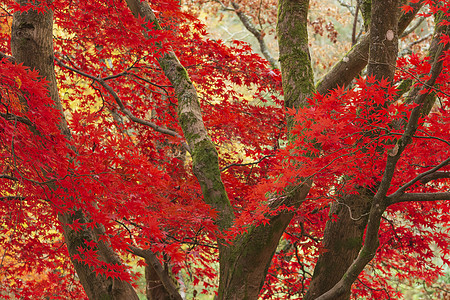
<point>295,60</point>
<point>244,263</point>
<point>32,45</point>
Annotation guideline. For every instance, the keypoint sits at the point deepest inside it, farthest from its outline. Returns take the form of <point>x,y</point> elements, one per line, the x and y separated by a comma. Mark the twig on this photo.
<point>246,164</point>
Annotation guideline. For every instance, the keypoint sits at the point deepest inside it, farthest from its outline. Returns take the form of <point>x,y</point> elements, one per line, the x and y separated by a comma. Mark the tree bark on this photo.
<point>244,264</point>
<point>383,39</point>
<point>32,45</point>
<point>154,288</point>
<point>343,238</point>
<point>351,65</point>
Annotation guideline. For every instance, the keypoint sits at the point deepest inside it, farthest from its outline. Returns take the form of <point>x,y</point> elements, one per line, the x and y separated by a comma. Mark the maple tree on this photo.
<point>125,135</point>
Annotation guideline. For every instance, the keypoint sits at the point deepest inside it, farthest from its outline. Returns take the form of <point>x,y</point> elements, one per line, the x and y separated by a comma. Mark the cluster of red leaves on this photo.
<point>137,183</point>
<point>33,259</point>
<point>132,180</point>
<point>342,141</point>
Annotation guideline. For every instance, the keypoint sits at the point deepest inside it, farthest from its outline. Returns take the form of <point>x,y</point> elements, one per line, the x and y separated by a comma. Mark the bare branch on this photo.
<point>122,107</point>
<point>151,258</point>
<point>411,197</point>
<point>246,164</point>
<point>413,27</point>
<point>403,188</point>
<point>224,7</point>
<point>256,33</point>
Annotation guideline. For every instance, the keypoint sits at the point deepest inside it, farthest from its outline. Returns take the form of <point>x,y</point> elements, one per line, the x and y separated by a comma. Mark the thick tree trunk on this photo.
<point>343,239</point>
<point>32,45</point>
<point>154,287</point>
<point>244,264</point>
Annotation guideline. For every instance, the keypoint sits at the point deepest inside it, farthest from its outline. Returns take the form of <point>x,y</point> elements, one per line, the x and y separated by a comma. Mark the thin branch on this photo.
<point>429,137</point>
<point>122,107</point>
<point>256,33</point>
<point>423,83</point>
<point>403,188</point>
<point>246,164</point>
<point>417,197</point>
<point>355,23</point>
<point>224,7</point>
<point>9,177</point>
<point>352,10</point>
<point>23,120</point>
<point>151,258</point>
<point>9,198</point>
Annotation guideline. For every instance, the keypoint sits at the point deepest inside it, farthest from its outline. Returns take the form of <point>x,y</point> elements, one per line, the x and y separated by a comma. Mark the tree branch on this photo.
<point>122,107</point>
<point>419,177</point>
<point>411,197</point>
<point>3,176</point>
<point>8,57</point>
<point>356,59</point>
<point>379,202</point>
<point>246,164</point>
<point>435,176</point>
<point>9,198</point>
<point>256,33</point>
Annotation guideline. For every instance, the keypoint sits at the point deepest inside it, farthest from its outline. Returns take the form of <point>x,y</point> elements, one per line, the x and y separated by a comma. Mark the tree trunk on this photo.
<point>154,287</point>
<point>342,240</point>
<point>32,45</point>
<point>244,265</point>
<point>343,237</point>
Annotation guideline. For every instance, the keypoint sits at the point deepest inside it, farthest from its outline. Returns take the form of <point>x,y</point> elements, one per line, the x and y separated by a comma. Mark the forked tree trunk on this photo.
<point>244,265</point>
<point>154,287</point>
<point>32,45</point>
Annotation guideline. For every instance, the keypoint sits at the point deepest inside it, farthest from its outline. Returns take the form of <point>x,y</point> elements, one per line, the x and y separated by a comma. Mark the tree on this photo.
<point>142,144</point>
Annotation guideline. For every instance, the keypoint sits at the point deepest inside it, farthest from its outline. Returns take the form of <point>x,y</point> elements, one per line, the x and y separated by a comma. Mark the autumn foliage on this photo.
<point>136,183</point>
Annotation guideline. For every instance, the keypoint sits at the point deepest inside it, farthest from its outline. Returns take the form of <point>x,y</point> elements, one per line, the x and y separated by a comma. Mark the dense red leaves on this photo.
<point>138,183</point>
<point>134,181</point>
<point>342,142</point>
